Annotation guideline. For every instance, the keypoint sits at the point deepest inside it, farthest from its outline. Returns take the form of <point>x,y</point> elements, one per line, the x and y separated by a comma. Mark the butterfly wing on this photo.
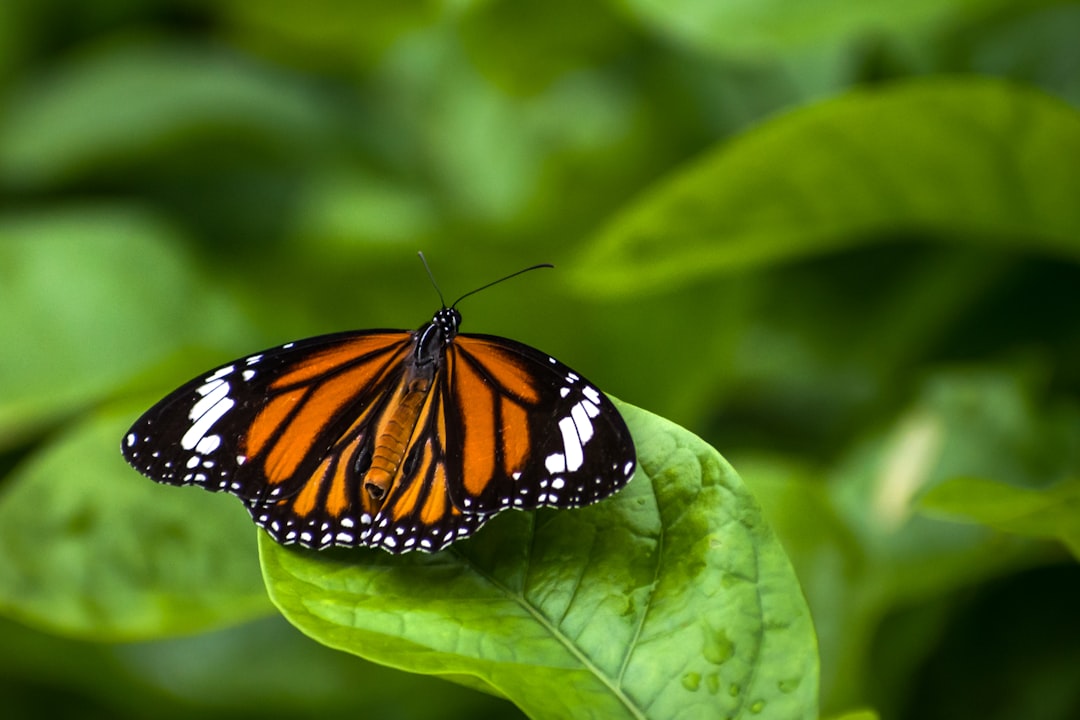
<point>523,430</point>
<point>265,426</point>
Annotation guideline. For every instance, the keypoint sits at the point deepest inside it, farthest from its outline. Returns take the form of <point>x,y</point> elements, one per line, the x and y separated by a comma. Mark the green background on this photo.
<point>837,240</point>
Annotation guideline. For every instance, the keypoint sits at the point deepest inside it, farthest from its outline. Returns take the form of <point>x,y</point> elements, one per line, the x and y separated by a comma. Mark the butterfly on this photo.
<point>393,439</point>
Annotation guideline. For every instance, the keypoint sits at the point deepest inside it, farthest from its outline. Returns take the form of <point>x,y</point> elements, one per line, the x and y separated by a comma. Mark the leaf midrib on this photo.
<point>566,642</point>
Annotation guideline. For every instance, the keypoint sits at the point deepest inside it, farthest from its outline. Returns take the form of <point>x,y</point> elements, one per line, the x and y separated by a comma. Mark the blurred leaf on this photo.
<point>769,27</point>
<point>673,597</point>
<point>90,548</point>
<point>73,677</point>
<point>856,715</point>
<point>971,159</point>
<point>344,211</point>
<point>486,151</point>
<point>523,45</point>
<point>13,36</point>
<point>121,101</point>
<point>297,678</point>
<point>1036,46</point>
<point>964,423</point>
<point>859,547</point>
<point>1050,513</point>
<point>90,297</point>
<point>327,32</point>
<point>203,676</point>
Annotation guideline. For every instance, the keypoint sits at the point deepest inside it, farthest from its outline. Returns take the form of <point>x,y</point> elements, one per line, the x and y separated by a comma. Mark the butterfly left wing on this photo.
<point>262,427</point>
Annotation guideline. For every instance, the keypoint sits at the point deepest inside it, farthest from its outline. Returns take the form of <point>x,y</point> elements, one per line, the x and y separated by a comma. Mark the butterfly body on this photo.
<point>402,440</point>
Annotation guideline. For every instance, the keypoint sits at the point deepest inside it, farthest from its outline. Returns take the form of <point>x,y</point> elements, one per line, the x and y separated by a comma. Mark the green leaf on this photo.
<point>1051,513</point>
<point>90,548</point>
<point>768,27</point>
<point>339,33</point>
<point>972,159</point>
<point>523,45</point>
<point>126,100</point>
<point>297,678</point>
<point>861,548</point>
<point>671,598</point>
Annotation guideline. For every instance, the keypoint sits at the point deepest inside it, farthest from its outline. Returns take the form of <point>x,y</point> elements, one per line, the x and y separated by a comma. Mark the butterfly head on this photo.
<point>448,320</point>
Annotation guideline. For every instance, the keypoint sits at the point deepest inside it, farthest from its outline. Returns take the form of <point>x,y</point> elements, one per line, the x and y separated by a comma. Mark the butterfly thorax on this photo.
<point>433,337</point>
<point>397,424</point>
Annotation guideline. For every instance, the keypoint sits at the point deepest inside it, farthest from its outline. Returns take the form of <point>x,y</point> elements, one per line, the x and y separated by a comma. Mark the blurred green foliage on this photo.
<point>838,240</point>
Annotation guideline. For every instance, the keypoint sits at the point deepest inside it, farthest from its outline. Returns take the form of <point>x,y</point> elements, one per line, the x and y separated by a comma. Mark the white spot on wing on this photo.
<point>591,393</point>
<point>222,372</point>
<point>555,463</point>
<point>208,444</point>
<point>582,423</point>
<point>571,445</point>
<point>202,426</point>
<point>212,392</point>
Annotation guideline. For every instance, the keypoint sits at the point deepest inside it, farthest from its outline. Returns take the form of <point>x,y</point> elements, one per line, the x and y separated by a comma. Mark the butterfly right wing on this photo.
<point>532,432</point>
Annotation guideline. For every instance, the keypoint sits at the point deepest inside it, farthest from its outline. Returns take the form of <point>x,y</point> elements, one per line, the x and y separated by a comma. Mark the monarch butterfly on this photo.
<point>401,440</point>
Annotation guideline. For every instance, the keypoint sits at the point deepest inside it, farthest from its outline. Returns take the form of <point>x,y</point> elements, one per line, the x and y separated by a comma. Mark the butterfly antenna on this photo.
<point>496,282</point>
<point>432,277</point>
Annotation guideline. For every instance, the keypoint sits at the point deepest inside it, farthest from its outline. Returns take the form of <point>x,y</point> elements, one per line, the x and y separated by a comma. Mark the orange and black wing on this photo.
<point>523,430</point>
<point>278,429</point>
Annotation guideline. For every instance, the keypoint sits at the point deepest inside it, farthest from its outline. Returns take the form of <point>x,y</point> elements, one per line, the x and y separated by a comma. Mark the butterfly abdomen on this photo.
<point>394,433</point>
